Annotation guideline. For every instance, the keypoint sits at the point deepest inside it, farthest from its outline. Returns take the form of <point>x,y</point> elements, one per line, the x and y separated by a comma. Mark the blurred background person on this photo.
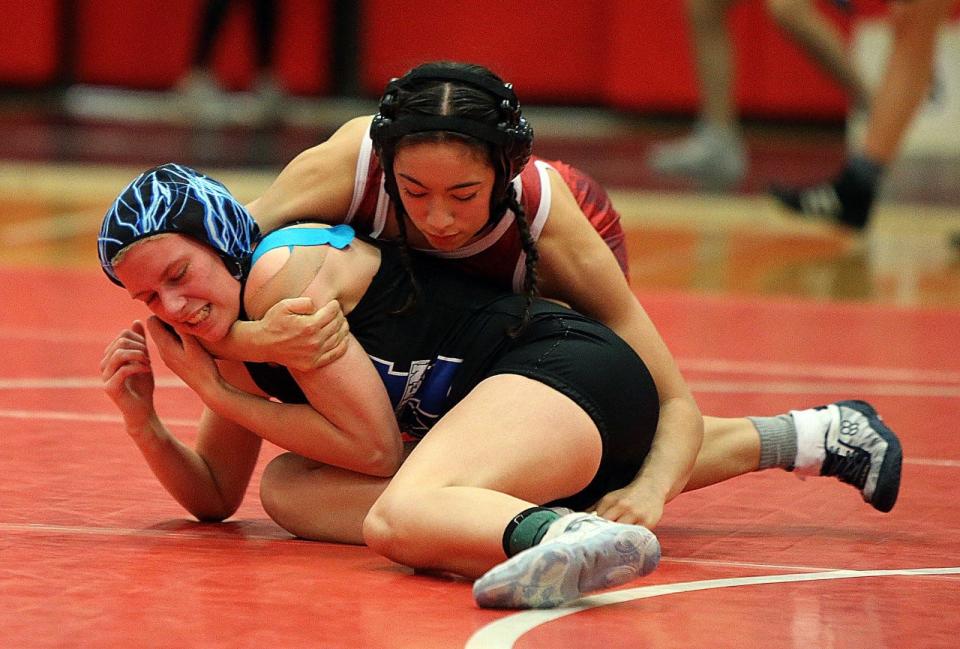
<point>203,94</point>
<point>715,153</point>
<point>847,199</point>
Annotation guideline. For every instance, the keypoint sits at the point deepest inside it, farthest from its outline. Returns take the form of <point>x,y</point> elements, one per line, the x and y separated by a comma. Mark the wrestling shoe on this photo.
<point>580,553</point>
<point>846,200</point>
<point>711,155</point>
<point>859,449</point>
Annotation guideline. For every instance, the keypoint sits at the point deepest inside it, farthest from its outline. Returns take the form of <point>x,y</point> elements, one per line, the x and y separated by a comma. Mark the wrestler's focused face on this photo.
<point>183,282</point>
<point>445,188</point>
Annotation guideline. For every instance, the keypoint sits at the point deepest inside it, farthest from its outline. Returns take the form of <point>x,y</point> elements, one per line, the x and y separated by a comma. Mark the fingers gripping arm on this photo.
<point>292,333</point>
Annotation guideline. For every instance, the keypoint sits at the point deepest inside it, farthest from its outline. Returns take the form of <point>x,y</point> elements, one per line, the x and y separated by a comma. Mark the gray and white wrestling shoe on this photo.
<point>579,554</point>
<point>861,450</point>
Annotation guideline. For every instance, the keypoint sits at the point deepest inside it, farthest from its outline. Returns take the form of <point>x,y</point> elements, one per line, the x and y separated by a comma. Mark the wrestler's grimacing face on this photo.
<point>184,283</point>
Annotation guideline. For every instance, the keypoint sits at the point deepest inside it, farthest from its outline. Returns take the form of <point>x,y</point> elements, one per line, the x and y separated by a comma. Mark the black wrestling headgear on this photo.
<point>510,139</point>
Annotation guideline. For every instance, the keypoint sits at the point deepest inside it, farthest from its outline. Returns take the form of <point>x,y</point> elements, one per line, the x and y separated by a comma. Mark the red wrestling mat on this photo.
<point>93,553</point>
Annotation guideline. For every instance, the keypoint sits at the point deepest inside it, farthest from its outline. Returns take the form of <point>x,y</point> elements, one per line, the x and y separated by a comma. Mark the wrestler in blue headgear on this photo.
<point>177,199</point>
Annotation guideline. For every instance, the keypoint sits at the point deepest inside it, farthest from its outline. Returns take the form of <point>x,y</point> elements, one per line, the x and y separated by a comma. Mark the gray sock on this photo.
<point>778,441</point>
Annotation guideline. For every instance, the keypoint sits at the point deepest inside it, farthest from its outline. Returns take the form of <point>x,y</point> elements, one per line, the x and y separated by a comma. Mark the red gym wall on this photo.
<point>620,53</point>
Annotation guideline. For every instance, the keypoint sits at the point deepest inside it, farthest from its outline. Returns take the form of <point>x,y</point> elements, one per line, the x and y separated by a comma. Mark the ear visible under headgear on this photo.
<point>177,199</point>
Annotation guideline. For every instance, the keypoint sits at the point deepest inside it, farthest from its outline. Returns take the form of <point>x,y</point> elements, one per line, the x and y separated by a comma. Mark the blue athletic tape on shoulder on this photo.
<point>339,236</point>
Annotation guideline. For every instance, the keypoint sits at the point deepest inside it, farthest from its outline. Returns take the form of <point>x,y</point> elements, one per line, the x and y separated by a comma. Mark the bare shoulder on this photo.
<point>283,273</point>
<point>317,184</point>
<point>321,272</point>
<point>339,152</point>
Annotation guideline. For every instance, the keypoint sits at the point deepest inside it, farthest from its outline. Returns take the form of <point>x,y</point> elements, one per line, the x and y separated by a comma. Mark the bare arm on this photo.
<point>292,333</point>
<point>316,185</point>
<point>341,425</point>
<point>208,481</point>
<point>578,268</point>
<point>349,421</point>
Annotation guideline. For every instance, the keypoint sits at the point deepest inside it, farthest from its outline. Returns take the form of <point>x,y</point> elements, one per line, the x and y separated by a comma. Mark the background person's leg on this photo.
<point>714,152</point>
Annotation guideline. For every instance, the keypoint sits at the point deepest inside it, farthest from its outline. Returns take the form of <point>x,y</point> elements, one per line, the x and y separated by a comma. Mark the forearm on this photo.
<point>673,453</point>
<point>182,471</point>
<point>302,429</point>
<point>292,333</point>
<point>679,433</point>
<point>244,342</point>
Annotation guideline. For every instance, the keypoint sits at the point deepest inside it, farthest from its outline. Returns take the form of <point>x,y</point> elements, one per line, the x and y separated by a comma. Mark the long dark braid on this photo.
<point>405,260</point>
<point>530,288</point>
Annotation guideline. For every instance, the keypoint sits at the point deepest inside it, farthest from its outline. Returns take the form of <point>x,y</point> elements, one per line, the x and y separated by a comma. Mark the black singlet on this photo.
<point>430,357</point>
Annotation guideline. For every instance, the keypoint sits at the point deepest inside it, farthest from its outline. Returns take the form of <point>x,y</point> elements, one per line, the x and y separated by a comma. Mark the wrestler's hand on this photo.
<point>301,337</point>
<point>185,356</point>
<point>636,504</point>
<point>128,376</point>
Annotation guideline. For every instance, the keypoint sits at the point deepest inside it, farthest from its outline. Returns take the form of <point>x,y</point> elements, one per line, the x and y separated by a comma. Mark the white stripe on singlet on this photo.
<point>360,179</point>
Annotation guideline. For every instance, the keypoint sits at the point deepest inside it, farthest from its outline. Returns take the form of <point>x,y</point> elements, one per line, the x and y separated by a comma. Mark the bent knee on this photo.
<point>383,529</point>
<point>276,487</point>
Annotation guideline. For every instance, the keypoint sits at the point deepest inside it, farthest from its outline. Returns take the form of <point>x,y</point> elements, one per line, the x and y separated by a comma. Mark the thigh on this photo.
<point>510,434</point>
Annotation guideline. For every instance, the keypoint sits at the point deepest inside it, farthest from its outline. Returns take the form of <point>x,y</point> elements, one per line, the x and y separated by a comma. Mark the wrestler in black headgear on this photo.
<point>507,134</point>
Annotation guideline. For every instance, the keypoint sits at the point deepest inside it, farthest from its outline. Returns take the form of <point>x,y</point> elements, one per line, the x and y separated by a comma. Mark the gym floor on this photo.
<point>764,313</point>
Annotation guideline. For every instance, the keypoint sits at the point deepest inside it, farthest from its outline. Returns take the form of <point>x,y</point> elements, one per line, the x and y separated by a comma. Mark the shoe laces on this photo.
<point>851,468</point>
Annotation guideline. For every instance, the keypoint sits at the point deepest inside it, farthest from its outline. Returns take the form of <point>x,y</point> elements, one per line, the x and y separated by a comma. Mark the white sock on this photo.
<point>812,425</point>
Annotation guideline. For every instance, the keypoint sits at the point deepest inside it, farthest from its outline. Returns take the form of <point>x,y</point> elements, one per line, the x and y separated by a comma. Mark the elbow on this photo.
<point>382,459</point>
<point>382,455</point>
<point>214,512</point>
<point>383,463</point>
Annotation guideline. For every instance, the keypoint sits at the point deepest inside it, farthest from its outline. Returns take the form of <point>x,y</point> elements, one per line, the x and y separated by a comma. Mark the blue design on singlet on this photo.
<point>419,395</point>
<point>339,236</point>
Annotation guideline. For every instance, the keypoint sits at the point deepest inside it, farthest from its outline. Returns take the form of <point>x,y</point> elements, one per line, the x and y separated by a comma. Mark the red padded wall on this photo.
<point>551,51</point>
<point>29,42</point>
<point>150,44</point>
<point>622,53</point>
<point>650,63</point>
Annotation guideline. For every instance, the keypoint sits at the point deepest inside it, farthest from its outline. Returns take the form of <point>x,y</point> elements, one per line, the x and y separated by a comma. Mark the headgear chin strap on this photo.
<point>177,199</point>
<point>511,137</point>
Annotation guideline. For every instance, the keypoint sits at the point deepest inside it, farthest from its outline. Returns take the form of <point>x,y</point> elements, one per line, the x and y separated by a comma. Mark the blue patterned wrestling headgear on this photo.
<point>178,199</point>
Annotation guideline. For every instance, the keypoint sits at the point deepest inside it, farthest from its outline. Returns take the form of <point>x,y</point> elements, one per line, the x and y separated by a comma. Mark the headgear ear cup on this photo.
<point>385,114</point>
<point>520,144</point>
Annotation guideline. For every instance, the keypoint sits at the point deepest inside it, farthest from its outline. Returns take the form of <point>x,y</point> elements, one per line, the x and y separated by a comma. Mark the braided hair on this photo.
<point>459,102</point>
